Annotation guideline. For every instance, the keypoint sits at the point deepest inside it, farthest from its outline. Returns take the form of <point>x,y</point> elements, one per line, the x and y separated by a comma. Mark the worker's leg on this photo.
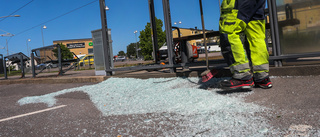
<point>259,55</point>
<point>231,46</point>
<point>255,33</point>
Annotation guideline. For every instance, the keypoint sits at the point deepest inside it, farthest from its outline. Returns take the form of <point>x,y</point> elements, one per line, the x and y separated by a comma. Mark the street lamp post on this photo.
<point>10,16</point>
<point>135,33</point>
<point>7,35</point>
<point>44,54</point>
<point>7,47</point>
<point>28,40</point>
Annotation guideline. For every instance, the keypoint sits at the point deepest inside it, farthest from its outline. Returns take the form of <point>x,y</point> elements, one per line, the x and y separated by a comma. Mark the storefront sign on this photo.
<point>90,44</point>
<point>76,45</point>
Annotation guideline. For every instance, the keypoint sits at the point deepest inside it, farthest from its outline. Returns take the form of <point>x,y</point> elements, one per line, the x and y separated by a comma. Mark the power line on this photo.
<point>18,9</point>
<point>4,31</point>
<point>56,17</point>
<point>7,34</point>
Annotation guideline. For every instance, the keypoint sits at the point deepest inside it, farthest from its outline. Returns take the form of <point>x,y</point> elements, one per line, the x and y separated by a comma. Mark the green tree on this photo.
<point>131,49</point>
<point>146,39</point>
<point>121,53</point>
<point>65,52</point>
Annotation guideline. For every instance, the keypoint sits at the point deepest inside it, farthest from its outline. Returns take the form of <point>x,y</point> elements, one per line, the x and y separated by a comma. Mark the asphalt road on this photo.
<point>293,102</point>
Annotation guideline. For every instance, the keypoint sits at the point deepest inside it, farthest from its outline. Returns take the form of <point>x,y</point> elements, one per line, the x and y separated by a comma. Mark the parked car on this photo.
<point>191,52</point>
<point>120,58</point>
<point>84,60</point>
<point>44,65</point>
<point>163,52</point>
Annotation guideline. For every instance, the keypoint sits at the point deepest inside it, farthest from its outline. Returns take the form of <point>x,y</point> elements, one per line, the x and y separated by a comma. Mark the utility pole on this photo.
<point>135,32</point>
<point>43,27</point>
<point>28,47</point>
<point>7,35</point>
<point>8,54</point>
<point>7,47</point>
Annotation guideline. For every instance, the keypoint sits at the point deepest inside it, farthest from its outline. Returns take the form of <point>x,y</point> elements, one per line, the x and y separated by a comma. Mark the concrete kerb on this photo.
<point>57,80</point>
<point>304,70</point>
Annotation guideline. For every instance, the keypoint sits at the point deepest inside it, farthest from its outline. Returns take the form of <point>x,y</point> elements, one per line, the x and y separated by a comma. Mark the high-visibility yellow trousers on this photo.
<point>244,16</point>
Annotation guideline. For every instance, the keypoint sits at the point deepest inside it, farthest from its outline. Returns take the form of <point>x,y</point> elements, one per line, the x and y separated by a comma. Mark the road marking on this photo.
<point>31,113</point>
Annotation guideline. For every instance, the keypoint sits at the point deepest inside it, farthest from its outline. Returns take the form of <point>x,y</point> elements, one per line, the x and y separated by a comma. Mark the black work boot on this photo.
<point>263,83</point>
<point>236,84</point>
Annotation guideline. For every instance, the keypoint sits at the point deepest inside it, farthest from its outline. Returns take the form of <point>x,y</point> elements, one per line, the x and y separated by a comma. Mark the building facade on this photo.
<point>79,47</point>
<point>193,31</point>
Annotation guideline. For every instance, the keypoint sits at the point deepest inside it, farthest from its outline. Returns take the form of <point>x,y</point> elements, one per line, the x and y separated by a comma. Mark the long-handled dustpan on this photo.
<point>208,74</point>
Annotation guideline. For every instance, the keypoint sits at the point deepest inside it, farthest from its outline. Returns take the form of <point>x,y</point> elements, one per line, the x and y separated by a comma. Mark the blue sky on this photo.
<point>123,18</point>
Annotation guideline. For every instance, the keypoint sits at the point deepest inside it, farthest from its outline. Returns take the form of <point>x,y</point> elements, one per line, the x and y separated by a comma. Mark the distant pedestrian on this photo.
<point>246,16</point>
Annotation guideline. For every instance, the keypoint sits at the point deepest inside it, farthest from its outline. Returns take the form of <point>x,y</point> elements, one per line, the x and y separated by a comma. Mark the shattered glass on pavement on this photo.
<point>178,103</point>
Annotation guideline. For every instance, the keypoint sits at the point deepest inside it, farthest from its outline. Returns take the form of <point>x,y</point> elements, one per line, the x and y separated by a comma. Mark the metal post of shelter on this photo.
<point>5,68</point>
<point>3,64</point>
<point>60,60</point>
<point>154,32</point>
<point>168,27</point>
<point>22,66</point>
<point>32,65</point>
<point>274,31</point>
<point>105,38</point>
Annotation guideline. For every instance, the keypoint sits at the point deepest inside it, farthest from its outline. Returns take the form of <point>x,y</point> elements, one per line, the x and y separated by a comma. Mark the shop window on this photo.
<point>90,51</point>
